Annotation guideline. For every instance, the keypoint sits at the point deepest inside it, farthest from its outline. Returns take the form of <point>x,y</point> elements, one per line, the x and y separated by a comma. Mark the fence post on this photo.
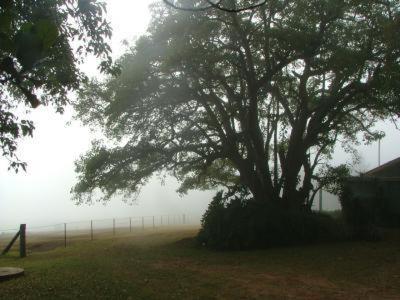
<point>22,240</point>
<point>183,219</point>
<point>143,223</point>
<point>91,230</point>
<point>161,220</point>
<point>168,219</point>
<point>154,225</point>
<point>114,226</point>
<point>130,224</point>
<point>65,235</point>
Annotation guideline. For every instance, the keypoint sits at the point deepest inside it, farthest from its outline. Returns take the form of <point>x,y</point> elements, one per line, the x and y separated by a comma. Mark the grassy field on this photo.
<point>167,265</point>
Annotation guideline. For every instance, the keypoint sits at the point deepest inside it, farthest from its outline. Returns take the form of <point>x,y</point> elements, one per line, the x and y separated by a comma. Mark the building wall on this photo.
<point>381,195</point>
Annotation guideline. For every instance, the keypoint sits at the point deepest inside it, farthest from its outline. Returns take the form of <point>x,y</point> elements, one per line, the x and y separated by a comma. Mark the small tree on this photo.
<point>258,97</point>
<point>41,44</point>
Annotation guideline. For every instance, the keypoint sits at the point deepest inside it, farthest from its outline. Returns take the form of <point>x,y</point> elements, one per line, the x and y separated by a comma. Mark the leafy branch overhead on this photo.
<point>41,45</point>
<point>257,98</point>
<point>231,6</point>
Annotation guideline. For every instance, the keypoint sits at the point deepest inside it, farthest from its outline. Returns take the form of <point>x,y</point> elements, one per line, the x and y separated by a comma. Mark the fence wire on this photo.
<point>62,234</point>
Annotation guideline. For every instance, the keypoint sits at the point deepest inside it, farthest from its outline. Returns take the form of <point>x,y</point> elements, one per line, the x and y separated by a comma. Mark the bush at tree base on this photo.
<point>370,202</point>
<point>363,215</point>
<point>240,223</point>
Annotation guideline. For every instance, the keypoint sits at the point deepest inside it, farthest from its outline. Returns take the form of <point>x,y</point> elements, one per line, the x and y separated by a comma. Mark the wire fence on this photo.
<point>64,234</point>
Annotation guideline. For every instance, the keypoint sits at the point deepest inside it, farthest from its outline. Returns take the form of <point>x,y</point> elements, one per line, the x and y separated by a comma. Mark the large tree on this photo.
<point>256,98</point>
<point>41,44</point>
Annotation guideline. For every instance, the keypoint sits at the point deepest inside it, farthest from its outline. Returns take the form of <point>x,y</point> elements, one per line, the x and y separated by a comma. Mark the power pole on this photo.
<point>320,200</point>
<point>379,152</point>
<point>276,145</point>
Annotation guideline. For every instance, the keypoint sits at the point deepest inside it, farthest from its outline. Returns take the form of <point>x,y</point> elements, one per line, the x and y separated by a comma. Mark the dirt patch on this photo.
<point>246,284</point>
<point>186,242</point>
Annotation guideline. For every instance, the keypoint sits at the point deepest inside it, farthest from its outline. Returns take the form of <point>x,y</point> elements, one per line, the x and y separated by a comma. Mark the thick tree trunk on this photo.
<point>294,196</point>
<point>294,159</point>
<point>260,189</point>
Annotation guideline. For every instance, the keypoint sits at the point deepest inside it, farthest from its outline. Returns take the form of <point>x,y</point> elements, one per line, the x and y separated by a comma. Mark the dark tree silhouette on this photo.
<point>257,98</point>
<point>224,5</point>
<point>41,44</point>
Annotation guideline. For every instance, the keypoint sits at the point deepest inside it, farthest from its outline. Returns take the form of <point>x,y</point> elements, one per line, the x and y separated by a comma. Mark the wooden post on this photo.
<point>183,219</point>
<point>65,235</point>
<point>143,223</point>
<point>154,224</point>
<point>22,240</point>
<point>161,220</point>
<point>91,230</point>
<point>114,226</point>
<point>168,219</point>
<point>130,224</point>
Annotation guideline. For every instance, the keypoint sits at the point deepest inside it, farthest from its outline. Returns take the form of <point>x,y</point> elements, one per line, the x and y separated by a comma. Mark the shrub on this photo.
<point>239,223</point>
<point>360,214</point>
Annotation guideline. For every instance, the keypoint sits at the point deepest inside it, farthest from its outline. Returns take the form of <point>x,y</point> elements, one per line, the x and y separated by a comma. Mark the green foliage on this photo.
<point>332,178</point>
<point>10,130</point>
<point>361,214</point>
<point>39,63</point>
<point>220,173</point>
<point>369,203</point>
<point>246,224</point>
<point>202,95</point>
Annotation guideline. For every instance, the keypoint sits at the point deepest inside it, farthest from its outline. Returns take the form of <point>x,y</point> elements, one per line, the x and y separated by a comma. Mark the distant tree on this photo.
<point>257,98</point>
<point>224,5</point>
<point>41,44</point>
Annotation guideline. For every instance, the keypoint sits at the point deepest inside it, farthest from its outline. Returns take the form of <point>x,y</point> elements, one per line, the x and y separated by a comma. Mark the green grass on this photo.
<point>167,265</point>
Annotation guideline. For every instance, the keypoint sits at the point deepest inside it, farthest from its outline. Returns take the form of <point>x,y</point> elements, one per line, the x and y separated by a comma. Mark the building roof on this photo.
<point>389,169</point>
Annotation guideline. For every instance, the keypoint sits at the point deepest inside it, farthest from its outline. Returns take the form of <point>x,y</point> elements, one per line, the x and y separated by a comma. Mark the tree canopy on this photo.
<point>224,5</point>
<point>41,44</point>
<point>256,98</point>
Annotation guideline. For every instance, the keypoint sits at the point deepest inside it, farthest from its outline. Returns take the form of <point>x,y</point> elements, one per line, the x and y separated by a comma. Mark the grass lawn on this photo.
<point>166,264</point>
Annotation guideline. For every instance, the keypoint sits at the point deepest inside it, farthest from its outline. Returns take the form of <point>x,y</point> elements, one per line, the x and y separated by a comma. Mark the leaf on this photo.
<point>47,31</point>
<point>34,40</point>
<point>6,4</point>
<point>29,46</point>
<point>6,44</point>
<point>5,22</point>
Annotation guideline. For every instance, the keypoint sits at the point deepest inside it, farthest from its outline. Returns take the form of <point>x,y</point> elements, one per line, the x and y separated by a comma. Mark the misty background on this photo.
<point>41,195</point>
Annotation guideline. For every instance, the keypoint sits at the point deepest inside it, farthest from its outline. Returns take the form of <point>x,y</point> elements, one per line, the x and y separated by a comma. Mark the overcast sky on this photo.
<point>41,195</point>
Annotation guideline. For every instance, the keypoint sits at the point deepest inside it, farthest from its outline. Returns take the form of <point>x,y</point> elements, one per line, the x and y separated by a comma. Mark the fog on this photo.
<point>41,196</point>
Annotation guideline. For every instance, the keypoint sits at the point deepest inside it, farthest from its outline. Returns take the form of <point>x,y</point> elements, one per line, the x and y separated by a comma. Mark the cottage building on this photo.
<point>389,170</point>
<point>378,192</point>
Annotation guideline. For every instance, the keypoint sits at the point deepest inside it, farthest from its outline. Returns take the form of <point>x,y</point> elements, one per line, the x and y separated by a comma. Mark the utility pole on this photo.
<point>379,152</point>
<point>276,144</point>
<point>320,200</point>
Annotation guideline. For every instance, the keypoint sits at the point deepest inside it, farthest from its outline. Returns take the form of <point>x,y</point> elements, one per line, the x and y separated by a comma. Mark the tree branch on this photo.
<point>216,5</point>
